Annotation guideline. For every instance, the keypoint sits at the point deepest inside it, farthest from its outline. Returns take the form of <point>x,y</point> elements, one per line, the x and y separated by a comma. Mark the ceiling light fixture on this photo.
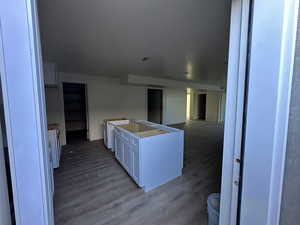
<point>145,59</point>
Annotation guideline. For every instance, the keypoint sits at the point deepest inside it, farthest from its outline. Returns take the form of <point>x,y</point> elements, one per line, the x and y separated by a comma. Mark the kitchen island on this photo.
<point>152,154</point>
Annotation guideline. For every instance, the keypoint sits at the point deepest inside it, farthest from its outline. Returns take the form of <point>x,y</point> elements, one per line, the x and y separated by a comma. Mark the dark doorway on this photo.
<point>155,105</point>
<point>202,107</point>
<point>75,112</point>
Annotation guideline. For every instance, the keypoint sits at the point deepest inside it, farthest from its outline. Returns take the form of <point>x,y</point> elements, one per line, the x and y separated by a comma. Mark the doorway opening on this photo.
<point>75,112</point>
<point>155,105</point>
<point>202,106</point>
<point>167,99</point>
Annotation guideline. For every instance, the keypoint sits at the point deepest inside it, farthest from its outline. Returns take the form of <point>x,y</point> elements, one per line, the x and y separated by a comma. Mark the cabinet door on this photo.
<point>128,157</point>
<point>119,148</point>
<point>135,165</point>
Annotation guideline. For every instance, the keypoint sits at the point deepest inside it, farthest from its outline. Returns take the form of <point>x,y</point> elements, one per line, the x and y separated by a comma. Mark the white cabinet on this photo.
<point>127,155</point>
<point>50,74</point>
<point>108,130</point>
<point>54,146</point>
<point>152,160</point>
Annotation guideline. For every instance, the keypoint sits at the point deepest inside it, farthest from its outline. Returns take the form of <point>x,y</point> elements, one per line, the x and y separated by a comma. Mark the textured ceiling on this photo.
<point>183,39</point>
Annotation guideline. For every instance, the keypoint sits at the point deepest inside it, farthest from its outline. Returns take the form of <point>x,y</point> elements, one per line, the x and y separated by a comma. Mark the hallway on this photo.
<point>93,189</point>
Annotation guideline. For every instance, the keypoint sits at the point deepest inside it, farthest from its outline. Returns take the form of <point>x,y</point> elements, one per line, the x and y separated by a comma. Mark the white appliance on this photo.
<point>54,146</point>
<point>108,131</point>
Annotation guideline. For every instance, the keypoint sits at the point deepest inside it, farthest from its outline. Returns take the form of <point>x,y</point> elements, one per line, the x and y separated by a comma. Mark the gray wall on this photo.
<point>109,37</point>
<point>290,208</point>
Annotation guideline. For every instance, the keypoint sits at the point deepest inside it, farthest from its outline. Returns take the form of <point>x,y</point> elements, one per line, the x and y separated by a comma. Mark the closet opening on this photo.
<point>75,110</point>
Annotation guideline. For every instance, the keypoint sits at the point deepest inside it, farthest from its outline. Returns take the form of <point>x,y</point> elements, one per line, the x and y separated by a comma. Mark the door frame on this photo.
<point>25,112</point>
<point>87,122</point>
<point>163,102</point>
<point>61,80</point>
<point>241,198</point>
<point>267,110</point>
<point>234,112</point>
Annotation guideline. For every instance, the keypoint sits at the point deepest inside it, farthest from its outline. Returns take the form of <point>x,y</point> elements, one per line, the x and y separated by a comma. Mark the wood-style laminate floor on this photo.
<point>93,189</point>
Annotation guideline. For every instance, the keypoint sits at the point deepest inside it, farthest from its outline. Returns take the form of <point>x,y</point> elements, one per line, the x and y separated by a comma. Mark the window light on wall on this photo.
<point>188,105</point>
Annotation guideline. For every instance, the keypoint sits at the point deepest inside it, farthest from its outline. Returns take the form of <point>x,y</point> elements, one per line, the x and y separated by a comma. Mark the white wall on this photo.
<point>174,106</point>
<point>212,106</point>
<point>222,107</point>
<point>194,104</point>
<point>194,107</point>
<point>106,99</point>
<point>53,105</point>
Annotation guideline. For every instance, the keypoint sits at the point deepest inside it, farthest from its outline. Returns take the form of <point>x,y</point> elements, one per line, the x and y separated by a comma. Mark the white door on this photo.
<point>273,43</point>
<point>4,201</point>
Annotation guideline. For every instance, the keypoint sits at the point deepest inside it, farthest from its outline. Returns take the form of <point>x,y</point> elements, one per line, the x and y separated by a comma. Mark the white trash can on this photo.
<point>213,208</point>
